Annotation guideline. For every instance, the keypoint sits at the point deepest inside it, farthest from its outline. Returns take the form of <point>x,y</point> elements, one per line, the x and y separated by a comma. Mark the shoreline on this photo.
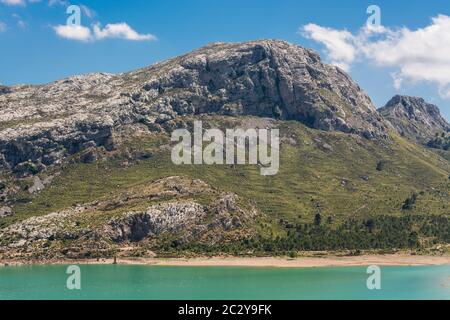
<point>256,262</point>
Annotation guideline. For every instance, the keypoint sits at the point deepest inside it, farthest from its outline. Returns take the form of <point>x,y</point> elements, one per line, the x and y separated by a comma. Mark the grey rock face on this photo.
<point>170,217</point>
<point>186,218</point>
<point>262,78</point>
<point>6,212</point>
<point>49,227</point>
<point>6,192</point>
<point>43,124</point>
<point>414,118</point>
<point>48,143</point>
<point>37,186</point>
<point>177,215</point>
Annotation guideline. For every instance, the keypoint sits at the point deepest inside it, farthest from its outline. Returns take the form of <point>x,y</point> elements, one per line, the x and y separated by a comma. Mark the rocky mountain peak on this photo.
<point>414,117</point>
<point>266,78</point>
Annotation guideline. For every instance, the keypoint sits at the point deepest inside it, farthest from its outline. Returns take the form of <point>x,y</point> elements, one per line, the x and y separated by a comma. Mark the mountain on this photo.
<point>264,78</point>
<point>414,118</point>
<point>85,166</point>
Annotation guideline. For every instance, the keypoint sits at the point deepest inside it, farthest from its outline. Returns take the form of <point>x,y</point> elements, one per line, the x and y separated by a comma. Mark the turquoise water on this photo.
<point>144,282</point>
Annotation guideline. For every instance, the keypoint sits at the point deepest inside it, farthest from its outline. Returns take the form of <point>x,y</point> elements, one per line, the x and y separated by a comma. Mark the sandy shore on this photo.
<point>303,262</point>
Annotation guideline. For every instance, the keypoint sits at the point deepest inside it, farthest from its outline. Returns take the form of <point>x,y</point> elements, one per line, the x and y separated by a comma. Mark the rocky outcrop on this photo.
<point>37,186</point>
<point>187,219</point>
<point>414,118</point>
<point>262,78</point>
<point>41,125</point>
<point>178,216</point>
<point>49,143</point>
<point>6,212</point>
<point>54,226</point>
<point>168,217</point>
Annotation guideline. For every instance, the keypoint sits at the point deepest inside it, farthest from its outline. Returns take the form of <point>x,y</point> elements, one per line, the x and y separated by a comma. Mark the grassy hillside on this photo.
<point>337,175</point>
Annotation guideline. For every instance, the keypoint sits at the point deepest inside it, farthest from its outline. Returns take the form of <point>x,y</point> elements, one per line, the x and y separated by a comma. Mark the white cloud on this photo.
<point>417,55</point>
<point>73,32</point>
<point>337,43</point>
<point>2,26</point>
<point>52,3</point>
<point>80,33</point>
<point>118,31</point>
<point>14,2</point>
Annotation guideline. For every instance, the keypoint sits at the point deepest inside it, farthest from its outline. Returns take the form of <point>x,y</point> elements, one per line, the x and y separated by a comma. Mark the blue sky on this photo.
<point>32,51</point>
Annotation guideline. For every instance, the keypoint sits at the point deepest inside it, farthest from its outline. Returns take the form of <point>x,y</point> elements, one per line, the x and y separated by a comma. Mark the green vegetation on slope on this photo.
<point>328,173</point>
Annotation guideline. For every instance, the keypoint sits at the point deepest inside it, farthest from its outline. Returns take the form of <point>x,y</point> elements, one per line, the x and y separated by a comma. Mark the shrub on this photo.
<point>409,203</point>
